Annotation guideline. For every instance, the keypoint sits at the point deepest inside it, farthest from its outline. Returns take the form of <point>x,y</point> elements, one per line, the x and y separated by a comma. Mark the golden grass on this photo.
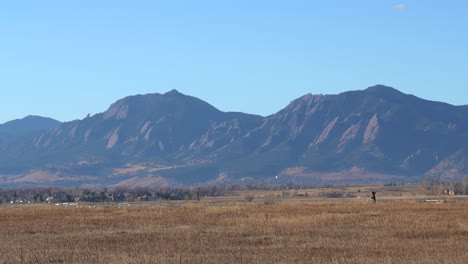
<point>239,233</point>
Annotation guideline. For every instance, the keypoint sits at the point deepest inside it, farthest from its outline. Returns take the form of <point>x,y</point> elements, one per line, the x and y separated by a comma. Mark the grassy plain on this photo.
<point>400,228</point>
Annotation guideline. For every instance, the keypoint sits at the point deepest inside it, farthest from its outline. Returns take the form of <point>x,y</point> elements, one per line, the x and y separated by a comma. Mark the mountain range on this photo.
<point>374,135</point>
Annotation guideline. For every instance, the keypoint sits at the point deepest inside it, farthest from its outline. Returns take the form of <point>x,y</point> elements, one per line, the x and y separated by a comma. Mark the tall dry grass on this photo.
<point>248,233</point>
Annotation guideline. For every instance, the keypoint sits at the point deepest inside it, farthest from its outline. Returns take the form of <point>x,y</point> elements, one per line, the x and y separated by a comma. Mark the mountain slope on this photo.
<point>376,134</point>
<point>16,134</point>
<point>378,129</point>
<point>162,124</point>
<point>162,129</point>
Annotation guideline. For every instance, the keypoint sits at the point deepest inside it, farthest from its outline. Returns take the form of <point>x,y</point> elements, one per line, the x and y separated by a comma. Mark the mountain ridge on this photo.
<point>376,134</point>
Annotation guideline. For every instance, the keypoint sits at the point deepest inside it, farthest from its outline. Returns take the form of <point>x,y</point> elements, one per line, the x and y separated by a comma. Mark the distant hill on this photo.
<point>374,135</point>
<point>28,124</point>
<point>15,138</point>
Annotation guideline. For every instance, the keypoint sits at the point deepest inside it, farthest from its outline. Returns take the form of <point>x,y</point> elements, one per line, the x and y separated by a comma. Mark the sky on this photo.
<point>65,59</point>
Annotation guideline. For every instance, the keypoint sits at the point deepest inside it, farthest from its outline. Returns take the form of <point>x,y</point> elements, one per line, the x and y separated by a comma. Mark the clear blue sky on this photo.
<point>65,59</point>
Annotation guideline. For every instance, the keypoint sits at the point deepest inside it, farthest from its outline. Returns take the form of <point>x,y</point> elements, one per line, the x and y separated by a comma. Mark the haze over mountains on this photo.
<point>374,135</point>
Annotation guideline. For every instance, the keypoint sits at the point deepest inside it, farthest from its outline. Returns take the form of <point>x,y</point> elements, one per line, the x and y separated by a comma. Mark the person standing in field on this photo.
<point>374,200</point>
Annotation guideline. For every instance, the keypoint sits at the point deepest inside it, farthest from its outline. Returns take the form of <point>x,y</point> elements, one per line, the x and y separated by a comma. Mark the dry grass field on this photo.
<point>291,230</point>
